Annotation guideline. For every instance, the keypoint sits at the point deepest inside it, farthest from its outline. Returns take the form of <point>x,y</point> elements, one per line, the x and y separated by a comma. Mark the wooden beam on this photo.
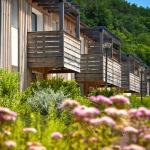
<point>78,26</point>
<point>61,16</point>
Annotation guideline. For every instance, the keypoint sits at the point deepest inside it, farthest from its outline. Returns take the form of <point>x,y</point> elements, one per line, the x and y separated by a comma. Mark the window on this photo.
<point>34,22</point>
<point>14,13</point>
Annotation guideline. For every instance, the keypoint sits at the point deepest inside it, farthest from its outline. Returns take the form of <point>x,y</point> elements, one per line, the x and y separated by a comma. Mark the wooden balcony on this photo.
<point>93,70</point>
<point>130,74</point>
<point>134,83</point>
<point>55,51</point>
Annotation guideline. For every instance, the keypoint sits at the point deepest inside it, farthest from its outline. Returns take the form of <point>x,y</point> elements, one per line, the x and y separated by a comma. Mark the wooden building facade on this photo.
<point>95,58</point>
<point>43,37</point>
<point>40,36</point>
<point>146,81</point>
<point>130,73</point>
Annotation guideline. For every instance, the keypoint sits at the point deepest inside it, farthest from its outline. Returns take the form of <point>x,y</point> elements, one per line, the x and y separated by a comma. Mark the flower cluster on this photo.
<point>101,100</point>
<point>68,103</point>
<point>141,112</point>
<point>35,146</point>
<point>7,115</point>
<point>56,135</point>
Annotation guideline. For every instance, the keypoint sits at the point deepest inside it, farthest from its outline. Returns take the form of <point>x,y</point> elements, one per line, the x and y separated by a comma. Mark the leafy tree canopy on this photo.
<point>127,21</point>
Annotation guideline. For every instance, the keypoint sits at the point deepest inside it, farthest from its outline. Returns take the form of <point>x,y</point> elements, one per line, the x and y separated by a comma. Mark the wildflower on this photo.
<point>115,112</point>
<point>130,130</point>
<point>29,130</point>
<point>35,146</point>
<point>147,137</point>
<point>132,112</point>
<point>119,99</point>
<point>7,132</point>
<point>140,112</point>
<point>85,112</point>
<point>93,139</point>
<point>7,115</point>
<point>10,144</point>
<point>133,147</point>
<point>95,122</point>
<point>56,135</point>
<point>101,100</point>
<point>69,103</point>
<point>107,121</point>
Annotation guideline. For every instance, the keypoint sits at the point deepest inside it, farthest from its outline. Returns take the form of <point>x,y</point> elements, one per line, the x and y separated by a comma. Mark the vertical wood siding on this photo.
<point>24,27</point>
<point>5,46</point>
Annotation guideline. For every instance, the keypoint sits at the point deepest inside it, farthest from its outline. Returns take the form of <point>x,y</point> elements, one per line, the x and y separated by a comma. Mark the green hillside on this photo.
<point>129,22</point>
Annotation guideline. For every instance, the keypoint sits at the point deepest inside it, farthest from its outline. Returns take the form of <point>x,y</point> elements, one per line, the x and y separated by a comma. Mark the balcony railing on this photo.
<point>134,83</point>
<point>93,69</point>
<point>54,50</point>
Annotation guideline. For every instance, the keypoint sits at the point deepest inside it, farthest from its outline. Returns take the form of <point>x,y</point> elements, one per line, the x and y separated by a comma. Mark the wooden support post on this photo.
<point>61,15</point>
<point>112,48</point>
<point>101,42</point>
<point>29,76</point>
<point>45,76</point>
<point>78,26</point>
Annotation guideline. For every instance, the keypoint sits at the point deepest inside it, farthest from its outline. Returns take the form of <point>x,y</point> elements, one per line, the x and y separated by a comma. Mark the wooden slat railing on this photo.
<point>134,83</point>
<point>93,69</point>
<point>53,49</point>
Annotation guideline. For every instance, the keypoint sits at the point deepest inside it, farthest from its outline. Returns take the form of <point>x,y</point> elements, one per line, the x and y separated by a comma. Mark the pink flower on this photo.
<point>6,132</point>
<point>101,100</point>
<point>95,122</point>
<point>10,144</point>
<point>107,121</point>
<point>7,115</point>
<point>93,139</point>
<point>130,130</point>
<point>132,112</point>
<point>68,103</point>
<point>119,99</point>
<point>133,147</point>
<point>56,135</point>
<point>85,112</point>
<point>116,112</point>
<point>29,130</point>
<point>35,146</point>
<point>147,137</point>
<point>140,112</point>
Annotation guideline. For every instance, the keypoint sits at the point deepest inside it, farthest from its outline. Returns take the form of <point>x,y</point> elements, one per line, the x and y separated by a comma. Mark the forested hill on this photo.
<point>129,22</point>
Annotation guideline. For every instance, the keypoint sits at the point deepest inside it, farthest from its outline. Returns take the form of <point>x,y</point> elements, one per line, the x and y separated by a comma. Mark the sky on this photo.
<point>144,3</point>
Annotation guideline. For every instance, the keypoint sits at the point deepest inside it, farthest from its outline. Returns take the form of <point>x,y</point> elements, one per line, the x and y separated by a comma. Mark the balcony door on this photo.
<point>34,22</point>
<point>37,20</point>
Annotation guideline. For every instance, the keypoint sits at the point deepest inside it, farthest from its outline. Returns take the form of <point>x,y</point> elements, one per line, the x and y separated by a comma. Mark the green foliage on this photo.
<point>46,99</point>
<point>103,91</point>
<point>69,88</point>
<point>127,21</point>
<point>9,84</point>
<point>136,101</point>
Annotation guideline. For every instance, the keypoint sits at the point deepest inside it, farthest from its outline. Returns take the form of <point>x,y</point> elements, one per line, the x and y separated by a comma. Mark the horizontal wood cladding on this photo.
<point>93,69</point>
<point>134,83</point>
<point>53,50</point>
<point>113,72</point>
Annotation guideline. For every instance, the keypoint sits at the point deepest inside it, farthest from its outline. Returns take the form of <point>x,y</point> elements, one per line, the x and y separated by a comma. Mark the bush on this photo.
<point>46,99</point>
<point>69,88</point>
<point>136,101</point>
<point>9,85</point>
<point>103,91</point>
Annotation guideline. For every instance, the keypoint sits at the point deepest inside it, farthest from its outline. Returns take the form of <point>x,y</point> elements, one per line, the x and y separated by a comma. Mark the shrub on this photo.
<point>69,88</point>
<point>103,91</point>
<point>46,99</point>
<point>9,85</point>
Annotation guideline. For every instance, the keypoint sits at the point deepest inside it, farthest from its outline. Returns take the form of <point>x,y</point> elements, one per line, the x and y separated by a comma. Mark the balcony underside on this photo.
<point>53,52</point>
